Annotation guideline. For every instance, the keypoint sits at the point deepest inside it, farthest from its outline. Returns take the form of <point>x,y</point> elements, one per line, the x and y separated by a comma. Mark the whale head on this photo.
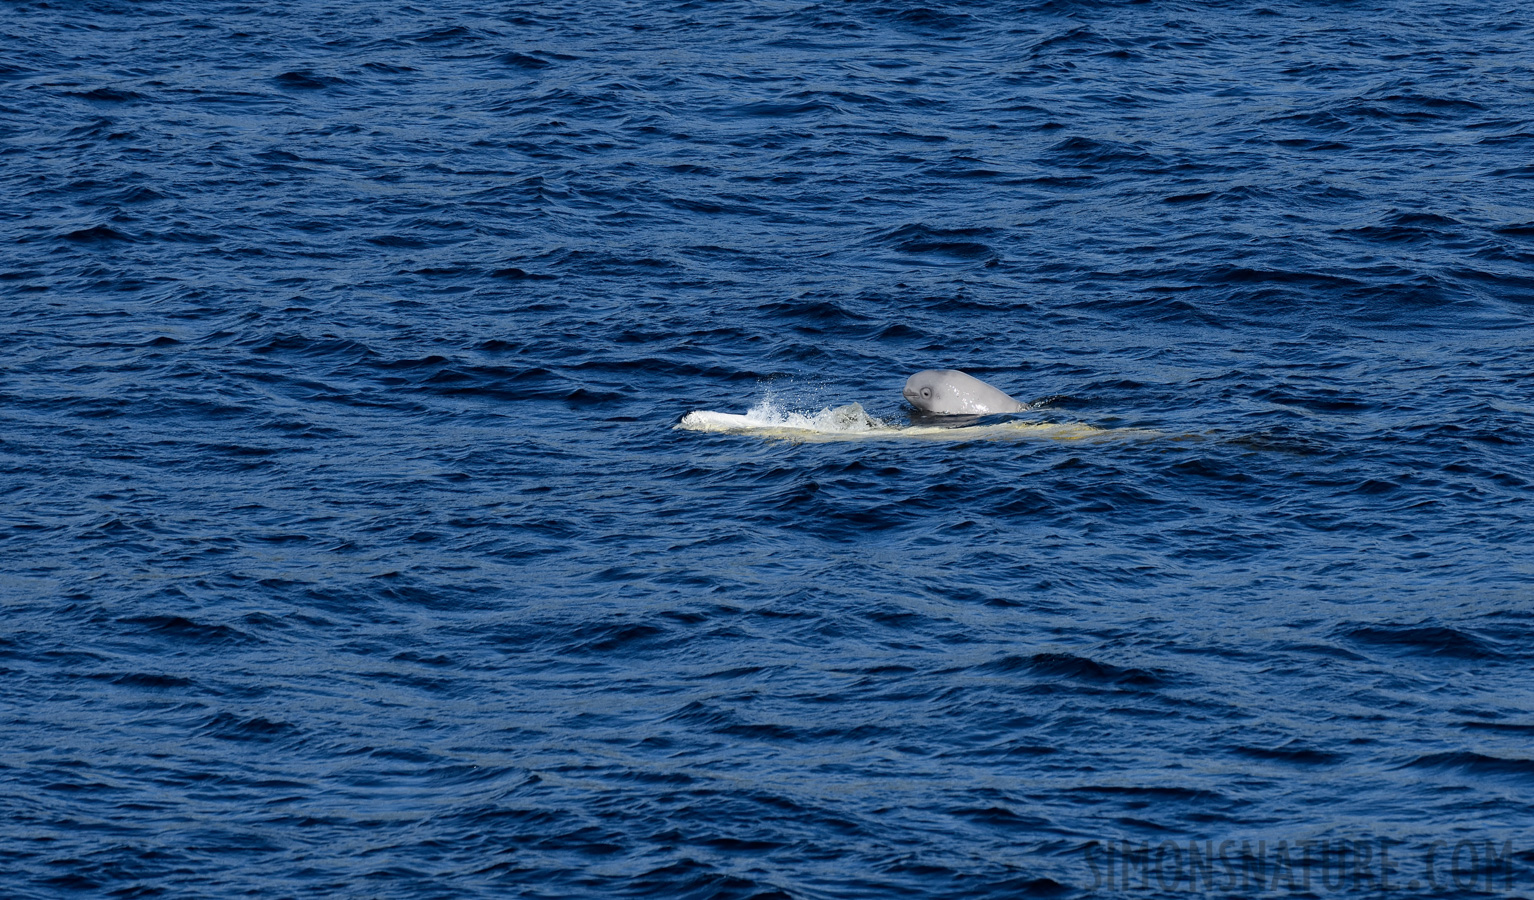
<point>949,392</point>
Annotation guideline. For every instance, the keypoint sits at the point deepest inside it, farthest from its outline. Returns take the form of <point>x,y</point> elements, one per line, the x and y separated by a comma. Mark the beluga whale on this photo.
<point>946,405</point>
<point>949,392</point>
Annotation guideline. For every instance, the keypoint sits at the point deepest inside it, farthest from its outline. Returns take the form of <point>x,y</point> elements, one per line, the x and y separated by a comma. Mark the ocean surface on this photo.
<point>349,546</point>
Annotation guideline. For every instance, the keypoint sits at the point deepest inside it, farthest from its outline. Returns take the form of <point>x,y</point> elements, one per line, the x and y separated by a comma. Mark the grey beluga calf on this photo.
<point>949,392</point>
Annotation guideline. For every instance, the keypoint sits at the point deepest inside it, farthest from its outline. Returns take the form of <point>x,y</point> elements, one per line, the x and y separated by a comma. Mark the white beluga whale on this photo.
<point>948,405</point>
<point>949,392</point>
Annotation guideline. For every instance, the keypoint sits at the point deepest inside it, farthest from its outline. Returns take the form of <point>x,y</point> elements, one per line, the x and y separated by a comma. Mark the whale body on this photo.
<point>949,392</point>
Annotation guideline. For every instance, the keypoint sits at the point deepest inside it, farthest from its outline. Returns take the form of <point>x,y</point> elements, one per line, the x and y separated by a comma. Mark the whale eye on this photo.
<point>926,392</point>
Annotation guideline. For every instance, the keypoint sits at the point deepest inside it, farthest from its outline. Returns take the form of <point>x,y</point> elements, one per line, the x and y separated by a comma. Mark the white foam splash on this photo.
<point>768,415</point>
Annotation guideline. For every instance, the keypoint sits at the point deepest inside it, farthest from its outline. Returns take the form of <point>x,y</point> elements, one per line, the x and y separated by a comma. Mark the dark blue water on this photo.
<point>347,547</point>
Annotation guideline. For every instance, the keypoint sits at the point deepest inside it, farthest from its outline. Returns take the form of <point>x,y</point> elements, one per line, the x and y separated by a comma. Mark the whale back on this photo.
<point>949,392</point>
